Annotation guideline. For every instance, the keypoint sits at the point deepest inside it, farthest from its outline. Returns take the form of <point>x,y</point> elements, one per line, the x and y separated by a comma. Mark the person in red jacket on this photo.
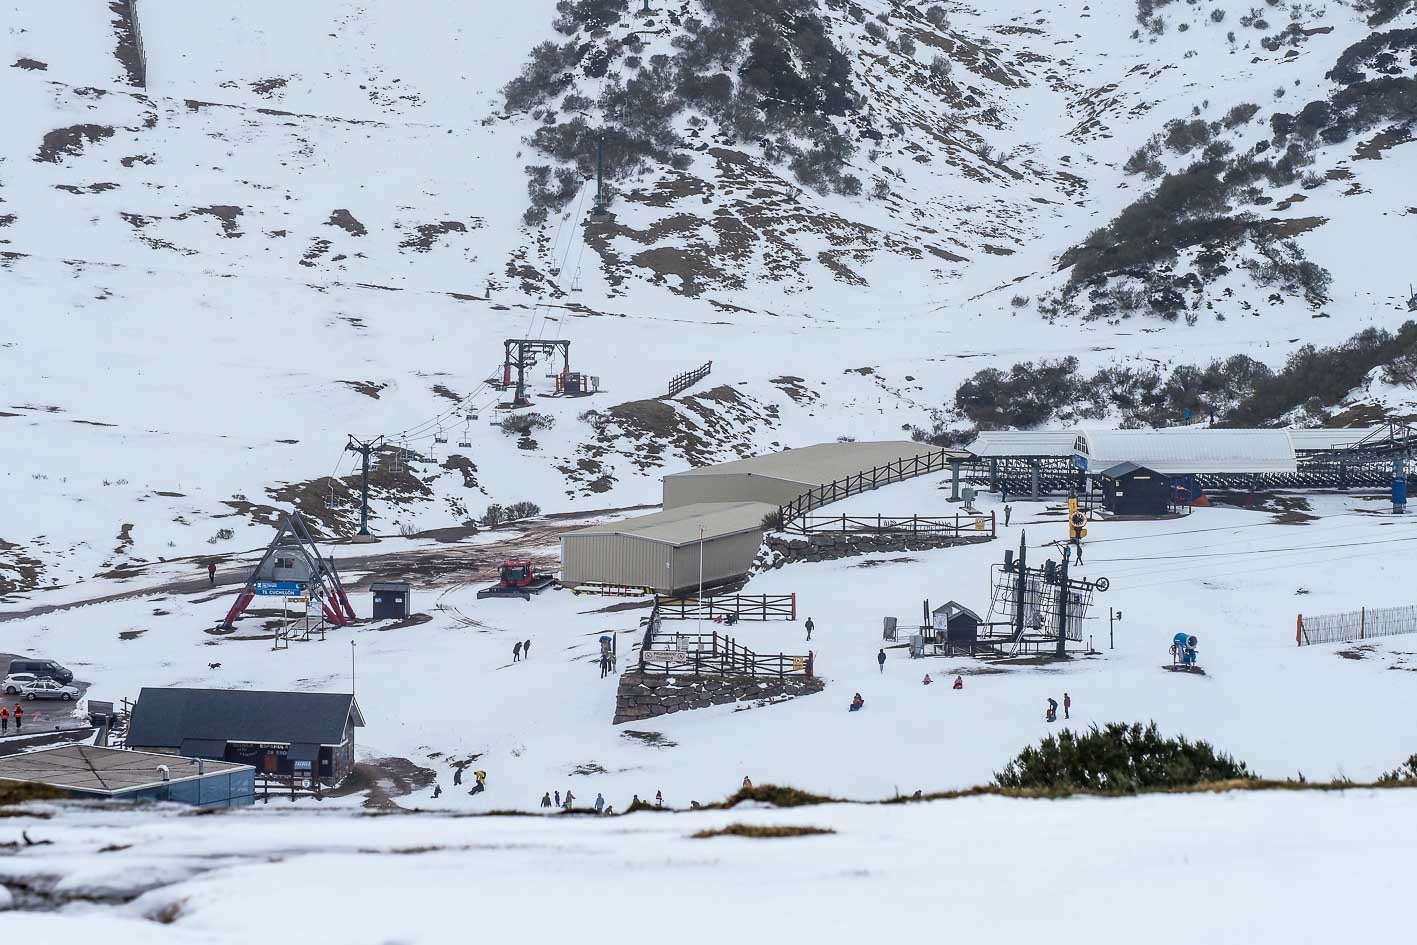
<point>4,721</point>
<point>211,574</point>
<point>19,717</point>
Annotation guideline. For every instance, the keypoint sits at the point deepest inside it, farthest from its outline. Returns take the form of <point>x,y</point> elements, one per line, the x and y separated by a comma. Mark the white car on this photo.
<point>48,689</point>
<point>14,681</point>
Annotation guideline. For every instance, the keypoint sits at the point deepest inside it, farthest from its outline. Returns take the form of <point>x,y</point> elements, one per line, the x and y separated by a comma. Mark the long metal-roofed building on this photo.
<point>781,477</point>
<point>661,551</point>
<point>720,509</point>
<point>1048,460</point>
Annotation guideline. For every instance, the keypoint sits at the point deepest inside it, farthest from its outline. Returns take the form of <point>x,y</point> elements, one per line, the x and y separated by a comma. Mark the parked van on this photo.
<point>47,669</point>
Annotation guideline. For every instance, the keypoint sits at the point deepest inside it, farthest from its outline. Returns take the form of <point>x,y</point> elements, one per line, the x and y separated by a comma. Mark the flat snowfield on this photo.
<point>1241,867</point>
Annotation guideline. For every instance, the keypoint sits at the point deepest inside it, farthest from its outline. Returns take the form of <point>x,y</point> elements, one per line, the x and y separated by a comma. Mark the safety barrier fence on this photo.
<point>914,525</point>
<point>894,471</point>
<point>682,382</point>
<point>1366,623</point>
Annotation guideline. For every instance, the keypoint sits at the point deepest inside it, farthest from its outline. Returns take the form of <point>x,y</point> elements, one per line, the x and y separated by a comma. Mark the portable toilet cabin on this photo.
<point>392,600</point>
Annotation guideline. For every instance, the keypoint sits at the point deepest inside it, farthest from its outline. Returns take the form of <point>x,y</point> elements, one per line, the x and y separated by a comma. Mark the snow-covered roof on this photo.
<point>996,443</point>
<point>1191,451</point>
<point>819,464</point>
<point>1325,438</point>
<point>680,526</point>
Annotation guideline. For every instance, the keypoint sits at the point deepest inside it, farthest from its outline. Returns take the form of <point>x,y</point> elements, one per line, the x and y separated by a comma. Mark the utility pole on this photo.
<point>1021,581</point>
<point>600,175</point>
<point>1062,650</point>
<point>351,667</point>
<point>364,448</point>
<point>1111,641</point>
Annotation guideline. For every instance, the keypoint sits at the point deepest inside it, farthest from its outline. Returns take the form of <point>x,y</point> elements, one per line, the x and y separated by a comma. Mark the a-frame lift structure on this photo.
<point>293,558</point>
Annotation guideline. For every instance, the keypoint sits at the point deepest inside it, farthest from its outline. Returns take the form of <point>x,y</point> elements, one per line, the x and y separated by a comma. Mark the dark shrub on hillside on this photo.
<point>545,76</point>
<point>1118,759</point>
<point>588,14</point>
<point>1025,397</point>
<point>1407,771</point>
<point>1185,136</point>
<point>1239,115</point>
<point>525,423</point>
<point>1383,11</point>
<point>1346,69</point>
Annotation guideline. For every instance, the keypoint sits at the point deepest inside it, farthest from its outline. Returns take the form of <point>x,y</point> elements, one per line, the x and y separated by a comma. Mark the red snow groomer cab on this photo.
<point>517,579</point>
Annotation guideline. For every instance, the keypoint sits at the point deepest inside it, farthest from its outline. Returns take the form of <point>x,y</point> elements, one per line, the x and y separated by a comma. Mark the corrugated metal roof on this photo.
<point>1325,438</point>
<point>680,526</point>
<point>165,718</point>
<point>819,464</point>
<point>1192,451</point>
<point>1024,443</point>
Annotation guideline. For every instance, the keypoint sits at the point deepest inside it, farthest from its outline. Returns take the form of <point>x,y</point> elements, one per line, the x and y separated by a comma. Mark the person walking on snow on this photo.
<point>604,666</point>
<point>457,776</point>
<point>1008,510</point>
<point>19,717</point>
<point>1067,705</point>
<point>517,652</point>
<point>526,649</point>
<point>810,625</point>
<point>558,798</point>
<point>570,798</point>
<point>4,721</point>
<point>881,659</point>
<point>1078,544</point>
<point>211,574</point>
<point>599,802</point>
<point>1004,494</point>
<point>546,799</point>
<point>658,798</point>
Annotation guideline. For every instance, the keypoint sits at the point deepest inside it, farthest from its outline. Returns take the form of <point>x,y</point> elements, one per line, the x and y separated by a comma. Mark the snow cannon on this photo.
<point>1183,650</point>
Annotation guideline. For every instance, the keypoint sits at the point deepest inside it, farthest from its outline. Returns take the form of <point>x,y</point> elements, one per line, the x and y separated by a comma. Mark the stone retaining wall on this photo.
<point>779,550</point>
<point>648,695</point>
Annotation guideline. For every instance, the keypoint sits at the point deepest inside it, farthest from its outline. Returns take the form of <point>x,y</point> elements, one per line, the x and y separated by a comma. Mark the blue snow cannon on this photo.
<point>1183,649</point>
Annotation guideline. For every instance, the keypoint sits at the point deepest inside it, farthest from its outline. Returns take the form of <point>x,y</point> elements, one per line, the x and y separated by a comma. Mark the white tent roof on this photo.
<point>1024,443</point>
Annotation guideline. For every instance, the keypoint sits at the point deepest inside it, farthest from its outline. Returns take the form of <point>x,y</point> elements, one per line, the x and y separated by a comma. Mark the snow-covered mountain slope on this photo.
<point>310,223</point>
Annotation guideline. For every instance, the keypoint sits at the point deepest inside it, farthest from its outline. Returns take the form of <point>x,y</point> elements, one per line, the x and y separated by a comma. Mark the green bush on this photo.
<point>1118,759</point>
<point>1407,771</point>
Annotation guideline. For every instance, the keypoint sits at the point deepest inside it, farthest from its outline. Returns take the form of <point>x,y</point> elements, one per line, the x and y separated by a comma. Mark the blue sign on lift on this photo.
<point>279,588</point>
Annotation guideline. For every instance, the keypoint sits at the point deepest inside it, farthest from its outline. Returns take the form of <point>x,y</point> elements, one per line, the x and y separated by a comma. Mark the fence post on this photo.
<point>1362,622</point>
<point>794,606</point>
<point>993,524</point>
<point>1299,631</point>
<point>781,673</point>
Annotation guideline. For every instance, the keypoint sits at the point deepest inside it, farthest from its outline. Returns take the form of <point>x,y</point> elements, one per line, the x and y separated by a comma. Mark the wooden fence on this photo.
<point>715,654</point>
<point>682,382</point>
<point>930,525</point>
<point>1356,625</point>
<point>894,471</point>
<point>740,606</point>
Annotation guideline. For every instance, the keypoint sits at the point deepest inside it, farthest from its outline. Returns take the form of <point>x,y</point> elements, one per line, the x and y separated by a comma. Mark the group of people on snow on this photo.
<point>1051,714</point>
<point>521,651</point>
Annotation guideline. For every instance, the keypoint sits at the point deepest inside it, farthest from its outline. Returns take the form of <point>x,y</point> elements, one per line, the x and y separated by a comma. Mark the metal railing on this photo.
<point>714,654</point>
<point>915,525</point>
<point>682,382</point>
<point>1366,623</point>
<point>894,471</point>
<point>739,606</point>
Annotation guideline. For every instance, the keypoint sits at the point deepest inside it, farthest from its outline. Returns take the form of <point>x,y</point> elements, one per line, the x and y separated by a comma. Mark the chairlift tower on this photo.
<point>520,354</point>
<point>364,448</point>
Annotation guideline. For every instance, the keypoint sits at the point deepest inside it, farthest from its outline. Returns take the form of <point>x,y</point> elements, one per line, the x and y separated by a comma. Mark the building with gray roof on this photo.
<point>92,772</point>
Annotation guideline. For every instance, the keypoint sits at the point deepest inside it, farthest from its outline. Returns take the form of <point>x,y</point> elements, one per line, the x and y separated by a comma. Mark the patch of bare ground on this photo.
<point>318,248</point>
<point>426,234</point>
<point>367,388</point>
<point>224,213</point>
<point>19,573</point>
<point>762,832</point>
<point>265,87</point>
<point>1287,229</point>
<point>33,65</point>
<point>383,780</point>
<point>443,391</point>
<point>70,141</point>
<point>796,388</point>
<point>456,462</point>
<point>346,221</point>
<point>1373,148</point>
<point>133,159</point>
<point>391,481</point>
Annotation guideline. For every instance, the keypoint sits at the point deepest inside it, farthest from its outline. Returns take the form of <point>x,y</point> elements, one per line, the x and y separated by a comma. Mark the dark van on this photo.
<point>47,669</point>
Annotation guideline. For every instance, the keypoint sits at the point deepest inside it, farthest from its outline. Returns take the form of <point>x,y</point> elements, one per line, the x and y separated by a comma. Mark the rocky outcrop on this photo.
<point>648,695</point>
<point>778,550</point>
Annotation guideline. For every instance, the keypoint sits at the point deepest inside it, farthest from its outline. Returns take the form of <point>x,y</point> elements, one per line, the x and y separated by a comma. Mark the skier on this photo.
<point>481,784</point>
<point>517,652</point>
<point>570,798</point>
<point>658,798</point>
<point>1008,510</point>
<point>19,715</point>
<point>1067,706</point>
<point>810,625</point>
<point>546,799</point>
<point>4,721</point>
<point>526,649</point>
<point>457,776</point>
<point>856,703</point>
<point>1052,714</point>
<point>599,802</point>
<point>881,659</point>
<point>959,682</point>
<point>211,574</point>
<point>927,680</point>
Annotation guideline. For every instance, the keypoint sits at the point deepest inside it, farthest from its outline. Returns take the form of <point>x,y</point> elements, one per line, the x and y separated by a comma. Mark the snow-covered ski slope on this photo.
<point>291,234</point>
<point>1092,871</point>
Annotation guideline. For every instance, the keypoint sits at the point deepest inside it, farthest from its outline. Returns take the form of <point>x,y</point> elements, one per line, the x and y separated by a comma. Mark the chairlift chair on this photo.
<point>438,436</point>
<point>465,441</point>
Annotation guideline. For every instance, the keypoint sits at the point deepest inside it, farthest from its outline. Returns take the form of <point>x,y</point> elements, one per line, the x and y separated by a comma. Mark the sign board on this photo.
<point>668,656</point>
<point>1080,461</point>
<point>278,588</point>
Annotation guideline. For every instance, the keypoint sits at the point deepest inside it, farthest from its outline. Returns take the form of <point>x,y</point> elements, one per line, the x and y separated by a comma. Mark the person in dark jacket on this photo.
<point>856,703</point>
<point>1067,706</point>
<point>526,649</point>
<point>517,652</point>
<point>604,665</point>
<point>881,659</point>
<point>810,625</point>
<point>457,776</point>
<point>437,791</point>
<point>211,574</point>
<point>1052,714</point>
<point>546,799</point>
<point>599,803</point>
<point>558,798</point>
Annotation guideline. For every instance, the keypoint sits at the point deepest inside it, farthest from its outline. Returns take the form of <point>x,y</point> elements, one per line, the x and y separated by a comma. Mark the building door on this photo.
<point>270,763</point>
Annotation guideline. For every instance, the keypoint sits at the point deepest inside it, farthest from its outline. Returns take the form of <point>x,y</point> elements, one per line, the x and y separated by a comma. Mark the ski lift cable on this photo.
<point>565,255</point>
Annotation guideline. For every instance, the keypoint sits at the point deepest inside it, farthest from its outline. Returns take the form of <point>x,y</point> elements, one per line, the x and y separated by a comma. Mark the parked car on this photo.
<point>14,681</point>
<point>49,689</point>
<point>45,668</point>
